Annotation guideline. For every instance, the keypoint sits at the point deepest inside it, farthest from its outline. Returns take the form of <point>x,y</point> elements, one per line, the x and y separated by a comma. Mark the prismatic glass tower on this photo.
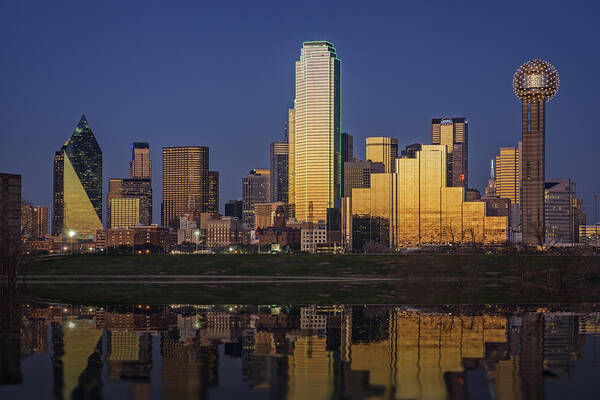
<point>534,83</point>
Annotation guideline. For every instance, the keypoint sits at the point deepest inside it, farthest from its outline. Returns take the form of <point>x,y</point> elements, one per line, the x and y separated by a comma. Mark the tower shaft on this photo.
<point>533,173</point>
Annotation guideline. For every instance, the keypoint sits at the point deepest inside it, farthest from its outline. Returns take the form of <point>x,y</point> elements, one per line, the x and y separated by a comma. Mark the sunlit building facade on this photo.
<point>316,136</point>
<point>454,133</point>
<point>140,189</point>
<point>141,166</point>
<point>77,204</point>
<point>422,209</point>
<point>383,150</point>
<point>291,155</point>
<point>508,174</point>
<point>125,212</point>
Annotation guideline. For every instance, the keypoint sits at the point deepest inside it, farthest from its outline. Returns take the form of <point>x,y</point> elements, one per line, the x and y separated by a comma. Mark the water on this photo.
<point>311,352</point>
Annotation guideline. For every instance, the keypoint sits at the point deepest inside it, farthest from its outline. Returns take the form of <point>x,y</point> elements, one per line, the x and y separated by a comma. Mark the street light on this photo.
<point>197,234</point>
<point>71,234</point>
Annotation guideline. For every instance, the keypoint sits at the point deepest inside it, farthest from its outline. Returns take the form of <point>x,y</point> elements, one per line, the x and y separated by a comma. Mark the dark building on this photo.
<point>347,154</point>
<point>472,195</point>
<point>534,83</point>
<point>255,189</point>
<point>78,184</point>
<point>279,155</point>
<point>357,174</point>
<point>497,206</point>
<point>279,233</point>
<point>10,207</point>
<point>131,188</point>
<point>411,150</point>
<point>558,197</point>
<point>233,208</point>
<point>454,133</point>
<point>213,192</point>
<point>34,221</point>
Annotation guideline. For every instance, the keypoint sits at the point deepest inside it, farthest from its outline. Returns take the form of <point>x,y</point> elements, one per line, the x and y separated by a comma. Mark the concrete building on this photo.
<point>558,197</point>
<point>508,173</point>
<point>133,188</point>
<point>125,212</point>
<point>255,189</point>
<point>382,150</point>
<point>137,236</point>
<point>590,234</point>
<point>141,165</point>
<point>312,234</point>
<point>454,133</point>
<point>357,174</point>
<point>224,232</point>
<point>265,213</point>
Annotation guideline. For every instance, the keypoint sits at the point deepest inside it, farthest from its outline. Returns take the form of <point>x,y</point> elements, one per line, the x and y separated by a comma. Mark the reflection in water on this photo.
<point>294,352</point>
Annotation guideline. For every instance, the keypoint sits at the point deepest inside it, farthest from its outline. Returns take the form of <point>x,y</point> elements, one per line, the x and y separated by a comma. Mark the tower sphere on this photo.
<point>536,80</point>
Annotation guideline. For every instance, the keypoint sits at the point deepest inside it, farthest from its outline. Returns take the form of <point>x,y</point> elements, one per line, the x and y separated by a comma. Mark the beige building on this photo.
<point>383,150</point>
<point>125,212</point>
<point>264,213</point>
<point>224,232</point>
<point>311,235</point>
<point>141,166</point>
<point>422,209</point>
<point>508,174</point>
<point>291,154</point>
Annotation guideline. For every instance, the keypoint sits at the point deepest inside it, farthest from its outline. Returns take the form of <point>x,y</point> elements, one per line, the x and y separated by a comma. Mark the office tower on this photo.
<point>213,192</point>
<point>34,221</point>
<point>279,171</point>
<point>185,183</point>
<point>317,139</point>
<point>508,173</point>
<point>558,197</point>
<point>255,189</point>
<point>383,150</point>
<point>125,212</point>
<point>291,156</point>
<point>357,174</point>
<point>78,185</point>
<point>141,166</point>
<point>421,208</point>
<point>10,208</point>
<point>454,133</point>
<point>347,154</point>
<point>534,83</point>
<point>411,150</point>
<point>140,189</point>
<point>490,189</point>
<point>264,213</point>
<point>233,208</point>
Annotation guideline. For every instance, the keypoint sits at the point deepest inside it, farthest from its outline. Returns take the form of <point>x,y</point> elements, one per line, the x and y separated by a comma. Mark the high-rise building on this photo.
<point>357,174</point>
<point>130,188</point>
<point>317,139</point>
<point>255,189</point>
<point>141,166</point>
<point>10,208</point>
<point>411,150</point>
<point>279,171</point>
<point>419,207</point>
<point>291,156</point>
<point>534,83</point>
<point>383,150</point>
<point>490,189</point>
<point>347,154</point>
<point>213,192</point>
<point>454,133</point>
<point>185,183</point>
<point>125,212</point>
<point>233,208</point>
<point>508,174</point>
<point>34,221</point>
<point>78,185</point>
<point>558,198</point>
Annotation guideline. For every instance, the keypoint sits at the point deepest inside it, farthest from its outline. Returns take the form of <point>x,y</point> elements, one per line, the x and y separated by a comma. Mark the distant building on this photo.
<point>279,233</point>
<point>347,154</point>
<point>189,231</point>
<point>558,197</point>
<point>357,174</point>
<point>279,174</point>
<point>137,236</point>
<point>141,166</point>
<point>411,150</point>
<point>265,213</point>
<point>10,207</point>
<point>213,192</point>
<point>312,234</point>
<point>590,234</point>
<point>508,173</point>
<point>34,221</point>
<point>224,232</point>
<point>77,203</point>
<point>125,212</point>
<point>140,189</point>
<point>233,208</point>
<point>472,195</point>
<point>579,217</point>
<point>346,223</point>
<point>291,155</point>
<point>383,150</point>
<point>454,133</point>
<point>255,189</point>
<point>490,190</point>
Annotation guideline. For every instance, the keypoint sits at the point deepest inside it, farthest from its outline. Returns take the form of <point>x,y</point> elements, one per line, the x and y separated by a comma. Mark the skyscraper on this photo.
<point>130,188</point>
<point>141,166</point>
<point>255,189</point>
<point>34,221</point>
<point>558,199</point>
<point>508,174</point>
<point>185,183</point>
<point>454,133</point>
<point>78,185</point>
<point>357,174</point>
<point>125,212</point>
<point>279,171</point>
<point>383,150</point>
<point>233,208</point>
<point>213,192</point>
<point>534,83</point>
<point>317,141</point>
<point>292,157</point>
<point>347,147</point>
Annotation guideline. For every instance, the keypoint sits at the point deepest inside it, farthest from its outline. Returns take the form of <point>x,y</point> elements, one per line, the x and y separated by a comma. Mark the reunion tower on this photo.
<point>535,83</point>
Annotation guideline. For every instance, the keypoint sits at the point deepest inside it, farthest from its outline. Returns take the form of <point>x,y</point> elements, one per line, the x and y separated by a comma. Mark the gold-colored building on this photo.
<point>316,136</point>
<point>125,212</point>
<point>291,154</point>
<point>384,150</point>
<point>141,166</point>
<point>508,174</point>
<point>422,209</point>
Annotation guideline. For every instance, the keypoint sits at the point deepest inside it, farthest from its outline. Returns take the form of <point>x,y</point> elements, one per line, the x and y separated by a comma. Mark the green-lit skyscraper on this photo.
<point>78,185</point>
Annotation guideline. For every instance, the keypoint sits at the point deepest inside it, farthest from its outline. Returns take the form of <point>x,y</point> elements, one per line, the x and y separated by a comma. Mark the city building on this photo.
<point>508,174</point>
<point>255,189</point>
<point>383,150</point>
<point>579,217</point>
<point>490,189</point>
<point>265,213</point>
<point>185,182</point>
<point>316,136</point>
<point>558,198</point>
<point>312,234</point>
<point>188,231</point>
<point>34,221</point>
<point>233,208</point>
<point>10,208</point>
<point>534,83</point>
<point>278,232</point>
<point>141,166</point>
<point>590,234</point>
<point>279,171</point>
<point>77,205</point>
<point>134,188</point>
<point>420,208</point>
<point>346,223</point>
<point>454,133</point>
<point>125,212</point>
<point>410,151</point>
<point>213,192</point>
<point>472,195</point>
<point>136,236</point>
<point>291,155</point>
<point>347,154</point>
<point>357,174</point>
<point>224,232</point>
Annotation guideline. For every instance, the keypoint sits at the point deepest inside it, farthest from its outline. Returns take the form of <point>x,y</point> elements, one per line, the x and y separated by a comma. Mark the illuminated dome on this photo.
<point>536,80</point>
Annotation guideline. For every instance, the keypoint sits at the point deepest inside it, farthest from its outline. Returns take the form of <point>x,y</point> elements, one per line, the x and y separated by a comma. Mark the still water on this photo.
<point>311,352</point>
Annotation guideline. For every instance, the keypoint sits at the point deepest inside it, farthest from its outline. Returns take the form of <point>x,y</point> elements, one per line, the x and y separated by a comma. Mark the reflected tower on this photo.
<point>534,83</point>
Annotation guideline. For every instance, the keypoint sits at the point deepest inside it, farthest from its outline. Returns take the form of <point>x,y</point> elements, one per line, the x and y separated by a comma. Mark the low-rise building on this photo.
<point>311,234</point>
<point>590,234</point>
<point>224,232</point>
<point>137,236</point>
<point>279,233</point>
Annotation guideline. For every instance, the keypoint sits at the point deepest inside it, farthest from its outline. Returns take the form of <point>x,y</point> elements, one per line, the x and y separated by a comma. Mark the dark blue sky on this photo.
<point>189,73</point>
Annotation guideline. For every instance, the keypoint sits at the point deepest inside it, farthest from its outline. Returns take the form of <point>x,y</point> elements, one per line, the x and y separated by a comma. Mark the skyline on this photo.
<point>374,95</point>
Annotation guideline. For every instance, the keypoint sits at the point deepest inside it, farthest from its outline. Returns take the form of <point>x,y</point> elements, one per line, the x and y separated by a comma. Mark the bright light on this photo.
<point>71,324</point>
<point>71,233</point>
<point>65,248</point>
<point>196,325</point>
<point>197,233</point>
<point>65,309</point>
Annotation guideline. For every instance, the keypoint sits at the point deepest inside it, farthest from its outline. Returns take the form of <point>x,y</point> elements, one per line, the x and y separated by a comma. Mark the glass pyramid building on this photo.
<point>78,185</point>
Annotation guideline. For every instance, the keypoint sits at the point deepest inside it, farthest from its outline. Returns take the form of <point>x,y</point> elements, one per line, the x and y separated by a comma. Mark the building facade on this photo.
<point>78,185</point>
<point>558,198</point>
<point>311,235</point>
<point>454,133</point>
<point>34,221</point>
<point>420,208</point>
<point>255,189</point>
<point>357,174</point>
<point>224,232</point>
<point>140,189</point>
<point>508,174</point>
<point>213,192</point>
<point>10,208</point>
<point>140,166</point>
<point>279,157</point>
<point>234,208</point>
<point>185,183</point>
<point>137,236</point>
<point>383,150</point>
<point>291,155</point>
<point>125,212</point>
<point>316,136</point>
